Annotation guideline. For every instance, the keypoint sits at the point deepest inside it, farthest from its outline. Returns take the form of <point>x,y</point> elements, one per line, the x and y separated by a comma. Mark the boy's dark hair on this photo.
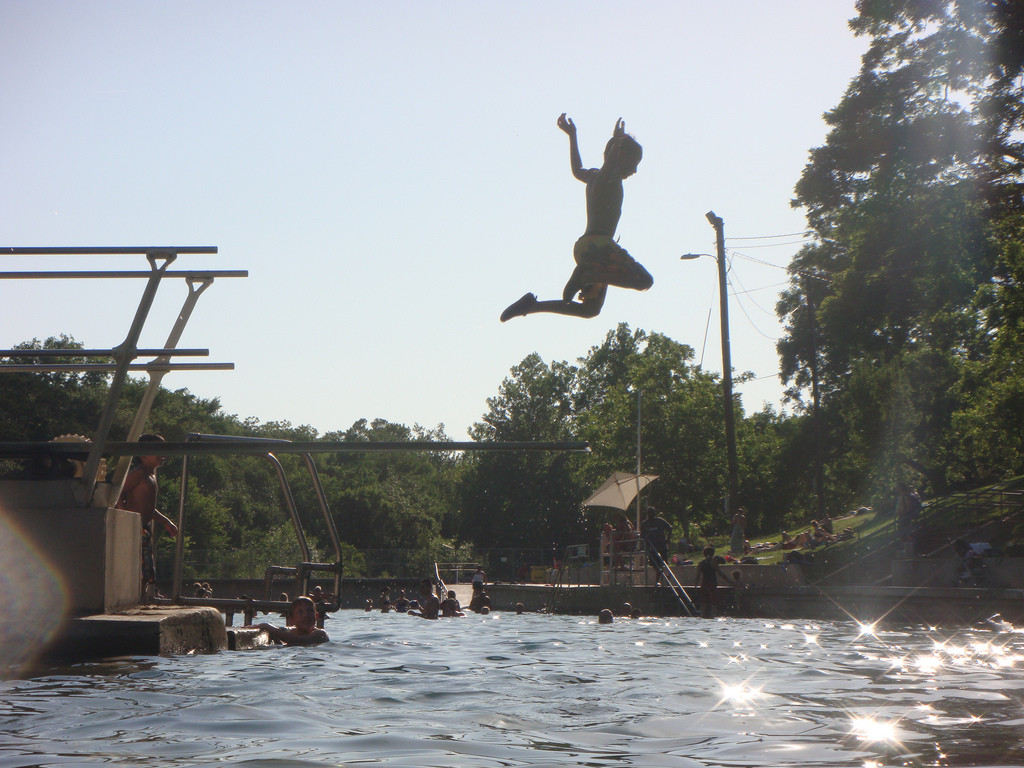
<point>709,551</point>
<point>628,147</point>
<point>149,437</point>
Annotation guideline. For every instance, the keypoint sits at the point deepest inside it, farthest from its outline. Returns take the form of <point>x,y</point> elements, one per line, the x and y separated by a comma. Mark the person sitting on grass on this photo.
<point>301,629</point>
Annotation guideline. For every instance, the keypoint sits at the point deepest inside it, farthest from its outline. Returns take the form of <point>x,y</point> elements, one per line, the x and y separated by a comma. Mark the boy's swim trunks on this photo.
<point>599,259</point>
<point>148,557</point>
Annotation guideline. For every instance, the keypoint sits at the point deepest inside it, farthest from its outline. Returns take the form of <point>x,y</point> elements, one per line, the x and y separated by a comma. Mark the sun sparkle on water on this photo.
<point>866,629</point>
<point>739,693</point>
<point>870,729</point>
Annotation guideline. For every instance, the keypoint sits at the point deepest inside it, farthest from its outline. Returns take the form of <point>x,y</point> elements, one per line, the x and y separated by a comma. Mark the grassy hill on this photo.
<point>994,514</point>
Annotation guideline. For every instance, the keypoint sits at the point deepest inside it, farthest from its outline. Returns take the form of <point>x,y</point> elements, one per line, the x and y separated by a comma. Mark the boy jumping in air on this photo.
<point>600,261</point>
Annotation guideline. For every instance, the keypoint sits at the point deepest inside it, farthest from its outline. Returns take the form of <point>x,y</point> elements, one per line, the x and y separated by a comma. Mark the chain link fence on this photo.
<point>500,564</point>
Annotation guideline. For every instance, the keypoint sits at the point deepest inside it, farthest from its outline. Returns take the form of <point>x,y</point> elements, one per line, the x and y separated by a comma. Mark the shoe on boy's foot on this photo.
<point>520,307</point>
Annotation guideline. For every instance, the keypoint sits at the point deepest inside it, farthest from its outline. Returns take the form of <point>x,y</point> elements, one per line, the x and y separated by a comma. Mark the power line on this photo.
<point>762,288</point>
<point>777,245</point>
<point>746,314</point>
<point>817,275</point>
<point>756,260</point>
<point>707,327</point>
<point>805,234</point>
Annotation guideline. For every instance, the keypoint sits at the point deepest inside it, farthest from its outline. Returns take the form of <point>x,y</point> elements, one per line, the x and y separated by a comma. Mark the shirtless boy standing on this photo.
<point>600,261</point>
<point>139,495</point>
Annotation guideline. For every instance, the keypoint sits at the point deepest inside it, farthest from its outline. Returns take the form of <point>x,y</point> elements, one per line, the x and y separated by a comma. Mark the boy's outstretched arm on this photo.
<point>567,125</point>
<point>166,522</point>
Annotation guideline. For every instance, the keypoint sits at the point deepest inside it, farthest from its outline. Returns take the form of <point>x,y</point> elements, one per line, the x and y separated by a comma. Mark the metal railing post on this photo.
<point>124,353</point>
<point>156,377</point>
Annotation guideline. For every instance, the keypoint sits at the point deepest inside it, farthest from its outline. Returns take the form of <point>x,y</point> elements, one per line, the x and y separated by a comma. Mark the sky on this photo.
<point>391,176</point>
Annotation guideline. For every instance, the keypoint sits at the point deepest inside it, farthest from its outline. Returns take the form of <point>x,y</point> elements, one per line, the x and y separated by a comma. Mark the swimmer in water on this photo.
<point>429,604</point>
<point>301,629</point>
<point>450,605</point>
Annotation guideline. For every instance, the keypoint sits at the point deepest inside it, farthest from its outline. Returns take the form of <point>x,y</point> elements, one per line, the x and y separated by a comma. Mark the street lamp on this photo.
<point>730,426</point>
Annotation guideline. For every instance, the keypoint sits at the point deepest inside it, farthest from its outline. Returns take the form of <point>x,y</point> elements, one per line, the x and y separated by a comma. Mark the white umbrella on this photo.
<point>619,490</point>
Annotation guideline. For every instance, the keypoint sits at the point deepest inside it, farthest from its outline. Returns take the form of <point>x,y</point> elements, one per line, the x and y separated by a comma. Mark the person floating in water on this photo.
<point>301,629</point>
<point>600,261</point>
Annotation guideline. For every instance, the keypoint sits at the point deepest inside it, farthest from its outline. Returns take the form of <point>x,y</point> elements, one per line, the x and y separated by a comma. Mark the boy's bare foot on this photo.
<point>520,307</point>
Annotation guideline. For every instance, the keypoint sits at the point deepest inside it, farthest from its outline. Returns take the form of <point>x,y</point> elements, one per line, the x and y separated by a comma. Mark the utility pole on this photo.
<point>730,425</point>
<point>639,420</point>
<point>819,472</point>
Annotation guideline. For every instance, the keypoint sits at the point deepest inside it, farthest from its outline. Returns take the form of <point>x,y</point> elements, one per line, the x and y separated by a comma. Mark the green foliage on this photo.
<point>900,304</point>
<point>41,407</point>
<point>235,515</point>
<point>529,499</point>
<point>681,436</point>
<point>526,498</point>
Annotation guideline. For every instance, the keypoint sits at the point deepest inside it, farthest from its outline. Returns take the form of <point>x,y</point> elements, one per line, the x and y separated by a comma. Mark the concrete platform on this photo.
<point>892,605</point>
<point>947,606</point>
<point>147,631</point>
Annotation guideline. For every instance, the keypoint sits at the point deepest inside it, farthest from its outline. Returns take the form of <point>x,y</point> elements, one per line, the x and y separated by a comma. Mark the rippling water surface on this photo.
<point>507,690</point>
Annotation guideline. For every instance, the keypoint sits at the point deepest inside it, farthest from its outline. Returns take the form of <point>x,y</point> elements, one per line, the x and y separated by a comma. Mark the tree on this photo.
<point>524,499</point>
<point>682,440</point>
<point>387,500</point>
<point>922,161</point>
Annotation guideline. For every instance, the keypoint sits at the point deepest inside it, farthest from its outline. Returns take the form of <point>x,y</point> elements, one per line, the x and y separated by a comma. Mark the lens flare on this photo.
<point>35,599</point>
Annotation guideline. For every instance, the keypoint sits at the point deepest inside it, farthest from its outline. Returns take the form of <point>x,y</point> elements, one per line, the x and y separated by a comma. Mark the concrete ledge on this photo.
<point>892,605</point>
<point>246,639</point>
<point>947,606</point>
<point>143,631</point>
<point>590,599</point>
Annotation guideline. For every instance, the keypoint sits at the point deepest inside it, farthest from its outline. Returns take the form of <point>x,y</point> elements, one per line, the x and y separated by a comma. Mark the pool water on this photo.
<point>537,690</point>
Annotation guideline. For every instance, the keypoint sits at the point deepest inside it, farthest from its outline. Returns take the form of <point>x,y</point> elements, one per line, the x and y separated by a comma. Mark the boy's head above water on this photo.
<point>302,614</point>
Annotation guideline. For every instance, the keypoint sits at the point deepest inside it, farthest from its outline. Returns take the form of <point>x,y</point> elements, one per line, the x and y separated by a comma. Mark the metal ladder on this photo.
<point>670,580</point>
<point>302,571</point>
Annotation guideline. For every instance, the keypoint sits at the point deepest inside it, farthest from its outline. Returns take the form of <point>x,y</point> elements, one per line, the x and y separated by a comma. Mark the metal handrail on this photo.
<point>101,352</point>
<point>256,446</point>
<point>669,577</point>
<point>620,545</point>
<point>303,569</point>
<point>325,510</point>
<point>105,250</point>
<point>109,274</point>
<point>440,587</point>
<point>457,568</point>
<point>114,367</point>
<point>126,353</point>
